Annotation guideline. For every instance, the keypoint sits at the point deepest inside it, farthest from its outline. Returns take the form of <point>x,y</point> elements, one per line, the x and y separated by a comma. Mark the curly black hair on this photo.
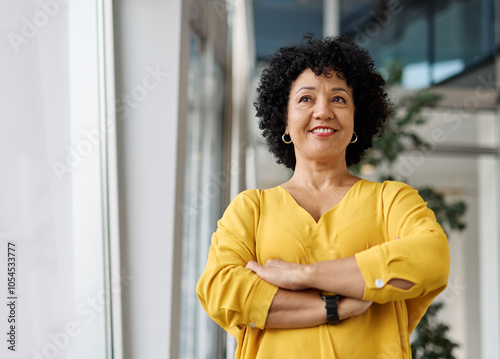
<point>338,55</point>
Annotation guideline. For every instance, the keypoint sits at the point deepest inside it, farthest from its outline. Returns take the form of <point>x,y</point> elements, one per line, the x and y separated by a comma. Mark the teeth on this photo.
<point>323,130</point>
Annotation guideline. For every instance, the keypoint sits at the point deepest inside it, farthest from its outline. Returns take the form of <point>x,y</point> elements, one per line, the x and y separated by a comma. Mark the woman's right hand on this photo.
<point>350,307</point>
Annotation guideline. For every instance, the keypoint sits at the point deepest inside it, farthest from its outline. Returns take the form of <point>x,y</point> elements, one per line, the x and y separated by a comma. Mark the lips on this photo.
<point>323,131</point>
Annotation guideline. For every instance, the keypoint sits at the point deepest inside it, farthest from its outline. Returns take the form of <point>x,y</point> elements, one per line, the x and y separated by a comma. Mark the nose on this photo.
<point>323,110</point>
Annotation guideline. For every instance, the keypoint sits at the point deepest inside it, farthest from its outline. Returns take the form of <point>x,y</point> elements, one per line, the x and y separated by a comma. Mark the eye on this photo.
<point>305,99</point>
<point>339,99</point>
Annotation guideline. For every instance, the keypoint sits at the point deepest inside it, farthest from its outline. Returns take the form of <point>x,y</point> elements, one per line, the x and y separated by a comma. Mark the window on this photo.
<point>52,194</point>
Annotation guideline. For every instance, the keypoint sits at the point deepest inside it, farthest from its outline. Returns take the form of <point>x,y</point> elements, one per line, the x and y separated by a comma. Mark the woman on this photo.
<point>327,265</point>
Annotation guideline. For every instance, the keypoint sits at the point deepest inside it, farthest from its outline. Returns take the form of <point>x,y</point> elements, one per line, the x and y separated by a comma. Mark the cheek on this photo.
<point>293,121</point>
<point>349,118</point>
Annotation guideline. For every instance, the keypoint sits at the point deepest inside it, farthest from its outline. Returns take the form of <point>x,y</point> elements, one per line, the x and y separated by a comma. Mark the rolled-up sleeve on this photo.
<point>233,296</point>
<point>416,250</point>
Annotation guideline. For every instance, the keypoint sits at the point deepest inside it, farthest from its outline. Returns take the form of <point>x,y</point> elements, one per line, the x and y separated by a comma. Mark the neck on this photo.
<point>318,175</point>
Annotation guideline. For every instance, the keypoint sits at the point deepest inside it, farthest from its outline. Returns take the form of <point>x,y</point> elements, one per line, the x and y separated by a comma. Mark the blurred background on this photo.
<point>127,126</point>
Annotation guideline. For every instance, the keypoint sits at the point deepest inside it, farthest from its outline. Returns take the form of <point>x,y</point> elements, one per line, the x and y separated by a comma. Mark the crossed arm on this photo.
<point>297,303</point>
<point>235,297</point>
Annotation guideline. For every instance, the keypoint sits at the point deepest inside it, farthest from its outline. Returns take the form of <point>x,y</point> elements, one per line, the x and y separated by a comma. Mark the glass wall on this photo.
<point>433,40</point>
<point>279,22</point>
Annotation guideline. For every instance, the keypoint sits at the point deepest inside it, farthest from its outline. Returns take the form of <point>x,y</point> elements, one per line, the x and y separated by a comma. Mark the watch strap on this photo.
<point>332,311</point>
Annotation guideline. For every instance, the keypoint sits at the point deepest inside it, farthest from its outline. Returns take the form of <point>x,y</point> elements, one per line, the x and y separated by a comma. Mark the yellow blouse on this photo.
<point>261,225</point>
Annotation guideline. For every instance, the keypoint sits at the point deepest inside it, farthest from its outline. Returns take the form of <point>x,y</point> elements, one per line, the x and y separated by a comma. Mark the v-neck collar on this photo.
<point>348,193</point>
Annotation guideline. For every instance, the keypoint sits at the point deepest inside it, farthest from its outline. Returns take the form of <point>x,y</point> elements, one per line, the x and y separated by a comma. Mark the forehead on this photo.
<point>309,78</point>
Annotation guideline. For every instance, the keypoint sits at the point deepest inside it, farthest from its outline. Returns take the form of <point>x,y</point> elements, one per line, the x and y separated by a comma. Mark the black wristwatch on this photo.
<point>332,312</point>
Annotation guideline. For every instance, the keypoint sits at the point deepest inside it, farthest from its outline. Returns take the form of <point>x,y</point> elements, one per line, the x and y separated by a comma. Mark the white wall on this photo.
<point>151,53</point>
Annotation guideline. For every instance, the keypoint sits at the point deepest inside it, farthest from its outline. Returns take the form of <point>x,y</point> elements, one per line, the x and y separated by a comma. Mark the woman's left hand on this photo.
<point>280,273</point>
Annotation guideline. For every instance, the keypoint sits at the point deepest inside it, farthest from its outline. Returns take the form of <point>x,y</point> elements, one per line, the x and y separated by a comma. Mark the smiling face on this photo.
<point>320,118</point>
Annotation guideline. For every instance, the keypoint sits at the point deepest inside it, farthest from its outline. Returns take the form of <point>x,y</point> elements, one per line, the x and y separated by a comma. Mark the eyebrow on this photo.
<point>314,88</point>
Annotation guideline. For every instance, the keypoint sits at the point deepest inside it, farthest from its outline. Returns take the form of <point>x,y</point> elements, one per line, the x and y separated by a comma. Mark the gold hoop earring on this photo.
<point>356,138</point>
<point>283,138</point>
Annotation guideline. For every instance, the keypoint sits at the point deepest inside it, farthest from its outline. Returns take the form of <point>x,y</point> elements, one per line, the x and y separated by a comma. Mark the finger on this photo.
<point>253,266</point>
